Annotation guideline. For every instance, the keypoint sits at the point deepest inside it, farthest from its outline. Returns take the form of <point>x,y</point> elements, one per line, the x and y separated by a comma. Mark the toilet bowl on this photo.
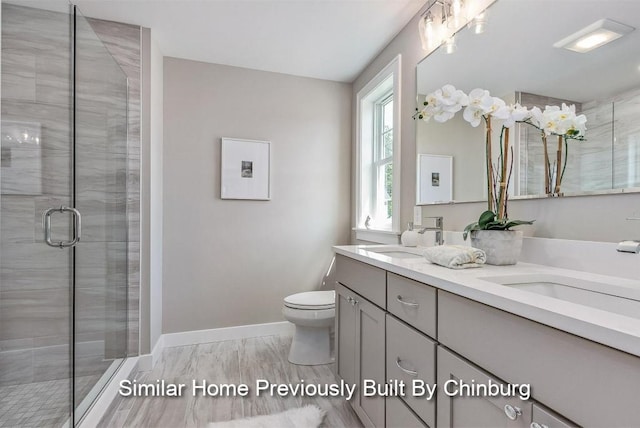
<point>313,314</point>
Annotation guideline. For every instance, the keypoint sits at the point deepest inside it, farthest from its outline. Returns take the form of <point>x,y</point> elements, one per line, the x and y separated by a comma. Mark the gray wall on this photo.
<point>456,138</point>
<point>596,218</point>
<point>229,262</point>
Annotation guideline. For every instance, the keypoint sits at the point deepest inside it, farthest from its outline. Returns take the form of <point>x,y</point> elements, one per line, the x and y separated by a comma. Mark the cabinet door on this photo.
<point>345,334</point>
<point>370,360</point>
<point>476,411</point>
<point>545,418</point>
<point>399,415</point>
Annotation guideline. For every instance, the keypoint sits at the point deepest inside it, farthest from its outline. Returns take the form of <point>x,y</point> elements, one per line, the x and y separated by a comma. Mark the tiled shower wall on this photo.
<point>609,158</point>
<point>34,279</point>
<point>123,42</point>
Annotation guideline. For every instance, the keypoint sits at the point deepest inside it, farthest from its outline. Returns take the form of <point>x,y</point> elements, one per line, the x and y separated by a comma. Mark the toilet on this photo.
<point>313,314</point>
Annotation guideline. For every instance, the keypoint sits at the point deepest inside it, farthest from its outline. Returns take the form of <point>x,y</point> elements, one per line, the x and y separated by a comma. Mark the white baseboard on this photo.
<point>147,362</point>
<point>228,333</point>
<point>102,403</point>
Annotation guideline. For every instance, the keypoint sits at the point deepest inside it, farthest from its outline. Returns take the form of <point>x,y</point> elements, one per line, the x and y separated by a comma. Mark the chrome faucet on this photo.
<point>438,229</point>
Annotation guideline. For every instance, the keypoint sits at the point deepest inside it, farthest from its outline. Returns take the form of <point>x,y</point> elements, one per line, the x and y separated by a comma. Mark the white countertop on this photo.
<point>611,329</point>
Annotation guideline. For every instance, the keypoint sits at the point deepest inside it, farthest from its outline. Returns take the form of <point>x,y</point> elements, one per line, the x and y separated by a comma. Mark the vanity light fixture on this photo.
<point>441,20</point>
<point>593,36</point>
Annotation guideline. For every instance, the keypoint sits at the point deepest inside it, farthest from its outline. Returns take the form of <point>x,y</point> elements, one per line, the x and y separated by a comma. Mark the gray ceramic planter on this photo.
<point>502,247</point>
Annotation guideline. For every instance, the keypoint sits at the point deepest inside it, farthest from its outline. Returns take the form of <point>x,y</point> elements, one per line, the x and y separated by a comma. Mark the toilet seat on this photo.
<point>311,300</point>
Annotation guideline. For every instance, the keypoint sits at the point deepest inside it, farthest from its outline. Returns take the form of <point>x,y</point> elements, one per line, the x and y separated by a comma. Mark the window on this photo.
<point>382,194</point>
<point>378,157</point>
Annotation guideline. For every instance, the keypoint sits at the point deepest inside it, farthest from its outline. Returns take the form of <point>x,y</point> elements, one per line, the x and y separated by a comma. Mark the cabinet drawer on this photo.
<point>399,415</point>
<point>584,381</point>
<point>411,356</point>
<point>476,410</point>
<point>545,418</point>
<point>368,281</point>
<point>412,302</point>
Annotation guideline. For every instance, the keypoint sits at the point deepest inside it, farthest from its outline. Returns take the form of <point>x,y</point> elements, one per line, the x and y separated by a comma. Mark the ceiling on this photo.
<point>325,39</point>
<point>516,52</point>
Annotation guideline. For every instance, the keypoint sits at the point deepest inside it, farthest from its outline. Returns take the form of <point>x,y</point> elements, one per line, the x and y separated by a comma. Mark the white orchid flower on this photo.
<point>428,111</point>
<point>498,108</point>
<point>569,123</point>
<point>478,104</point>
<point>447,102</point>
<point>516,113</point>
<point>549,121</point>
<point>536,117</point>
<point>579,124</point>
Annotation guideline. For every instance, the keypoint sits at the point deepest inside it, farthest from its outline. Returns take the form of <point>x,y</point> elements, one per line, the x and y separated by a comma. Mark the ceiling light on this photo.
<point>593,36</point>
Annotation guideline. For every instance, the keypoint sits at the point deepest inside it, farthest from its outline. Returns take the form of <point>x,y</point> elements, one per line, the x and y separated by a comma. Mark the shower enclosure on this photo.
<point>63,215</point>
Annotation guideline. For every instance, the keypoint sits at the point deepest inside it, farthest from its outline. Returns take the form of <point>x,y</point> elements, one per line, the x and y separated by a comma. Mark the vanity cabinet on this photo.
<point>360,351</point>
<point>588,383</point>
<point>390,328</point>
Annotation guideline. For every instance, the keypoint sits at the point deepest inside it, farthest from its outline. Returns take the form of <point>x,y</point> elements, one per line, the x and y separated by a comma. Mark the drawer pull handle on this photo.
<point>512,412</point>
<point>407,371</point>
<point>404,302</point>
<point>537,425</point>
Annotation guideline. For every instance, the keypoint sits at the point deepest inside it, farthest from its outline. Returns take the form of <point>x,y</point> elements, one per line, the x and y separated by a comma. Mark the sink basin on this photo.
<point>607,297</point>
<point>397,252</point>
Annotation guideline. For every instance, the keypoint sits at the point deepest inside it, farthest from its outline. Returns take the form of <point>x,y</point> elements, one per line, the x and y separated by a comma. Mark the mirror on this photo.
<point>515,60</point>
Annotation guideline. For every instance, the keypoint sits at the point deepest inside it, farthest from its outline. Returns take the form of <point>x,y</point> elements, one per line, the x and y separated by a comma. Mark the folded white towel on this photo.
<point>455,256</point>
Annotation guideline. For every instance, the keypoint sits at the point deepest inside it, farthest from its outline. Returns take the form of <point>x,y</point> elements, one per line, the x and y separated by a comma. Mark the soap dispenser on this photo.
<point>409,237</point>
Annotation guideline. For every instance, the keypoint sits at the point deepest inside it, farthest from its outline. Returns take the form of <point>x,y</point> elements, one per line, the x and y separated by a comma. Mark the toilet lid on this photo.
<point>312,300</point>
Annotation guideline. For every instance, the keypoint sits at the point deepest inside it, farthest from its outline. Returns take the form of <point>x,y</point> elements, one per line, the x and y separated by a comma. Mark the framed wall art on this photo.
<point>245,169</point>
<point>435,179</point>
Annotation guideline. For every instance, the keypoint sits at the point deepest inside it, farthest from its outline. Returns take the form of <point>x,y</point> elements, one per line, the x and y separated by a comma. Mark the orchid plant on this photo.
<point>479,106</point>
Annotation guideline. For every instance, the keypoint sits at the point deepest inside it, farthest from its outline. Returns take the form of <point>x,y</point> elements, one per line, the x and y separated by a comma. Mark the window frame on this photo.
<point>385,85</point>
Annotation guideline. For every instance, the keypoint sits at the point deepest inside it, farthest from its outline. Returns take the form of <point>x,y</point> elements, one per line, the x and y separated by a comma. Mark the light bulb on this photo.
<point>456,7</point>
<point>450,45</point>
<point>428,26</point>
<point>478,24</point>
<point>455,12</point>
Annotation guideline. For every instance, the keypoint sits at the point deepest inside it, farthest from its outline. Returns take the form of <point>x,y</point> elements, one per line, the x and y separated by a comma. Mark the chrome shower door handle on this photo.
<point>77,227</point>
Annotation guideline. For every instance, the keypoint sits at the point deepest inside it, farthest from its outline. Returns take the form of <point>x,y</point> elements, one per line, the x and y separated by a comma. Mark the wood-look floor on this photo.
<point>235,361</point>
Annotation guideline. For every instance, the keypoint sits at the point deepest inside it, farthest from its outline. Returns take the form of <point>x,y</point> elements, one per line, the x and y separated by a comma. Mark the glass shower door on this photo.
<point>36,162</point>
<point>100,165</point>
<point>63,277</point>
